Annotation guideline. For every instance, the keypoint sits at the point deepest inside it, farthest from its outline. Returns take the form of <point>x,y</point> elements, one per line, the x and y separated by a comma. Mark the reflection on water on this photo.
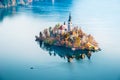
<point>64,52</point>
<point>7,12</point>
<point>51,8</point>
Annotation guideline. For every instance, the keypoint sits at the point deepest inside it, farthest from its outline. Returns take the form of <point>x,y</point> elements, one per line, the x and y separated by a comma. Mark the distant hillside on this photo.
<point>9,3</point>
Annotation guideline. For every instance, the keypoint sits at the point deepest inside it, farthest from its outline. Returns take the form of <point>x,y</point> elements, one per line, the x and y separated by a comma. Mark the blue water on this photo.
<point>19,51</point>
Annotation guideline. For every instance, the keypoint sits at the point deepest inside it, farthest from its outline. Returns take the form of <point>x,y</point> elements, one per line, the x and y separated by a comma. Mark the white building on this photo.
<point>69,23</point>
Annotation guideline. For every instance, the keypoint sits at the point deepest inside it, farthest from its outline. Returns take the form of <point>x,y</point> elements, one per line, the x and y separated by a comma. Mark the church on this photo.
<point>66,28</point>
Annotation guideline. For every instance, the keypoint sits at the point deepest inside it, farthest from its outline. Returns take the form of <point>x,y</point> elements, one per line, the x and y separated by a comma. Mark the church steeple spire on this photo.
<point>69,22</point>
<point>69,17</point>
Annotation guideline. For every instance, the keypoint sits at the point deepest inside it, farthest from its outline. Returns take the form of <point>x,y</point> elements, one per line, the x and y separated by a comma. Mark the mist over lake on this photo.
<point>21,57</point>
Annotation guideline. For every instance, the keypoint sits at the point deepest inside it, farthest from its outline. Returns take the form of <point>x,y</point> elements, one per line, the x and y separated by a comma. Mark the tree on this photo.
<point>77,42</point>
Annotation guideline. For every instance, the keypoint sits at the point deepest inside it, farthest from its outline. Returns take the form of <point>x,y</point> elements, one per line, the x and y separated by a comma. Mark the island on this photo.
<point>69,37</point>
<point>67,41</point>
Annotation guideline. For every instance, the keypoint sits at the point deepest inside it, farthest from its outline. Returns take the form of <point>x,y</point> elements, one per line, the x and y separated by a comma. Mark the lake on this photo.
<point>21,57</point>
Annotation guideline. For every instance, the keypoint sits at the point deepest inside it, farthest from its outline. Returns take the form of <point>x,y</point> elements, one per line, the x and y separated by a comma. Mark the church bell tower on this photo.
<point>69,23</point>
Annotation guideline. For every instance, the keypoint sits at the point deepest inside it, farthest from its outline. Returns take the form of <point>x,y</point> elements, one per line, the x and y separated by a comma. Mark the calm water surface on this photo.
<point>19,51</point>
